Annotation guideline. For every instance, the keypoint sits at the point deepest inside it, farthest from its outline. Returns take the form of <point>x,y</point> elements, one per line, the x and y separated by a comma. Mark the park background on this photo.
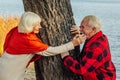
<point>107,10</point>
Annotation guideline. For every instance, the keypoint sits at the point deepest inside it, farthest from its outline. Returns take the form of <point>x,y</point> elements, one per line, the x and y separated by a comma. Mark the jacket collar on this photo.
<point>93,38</point>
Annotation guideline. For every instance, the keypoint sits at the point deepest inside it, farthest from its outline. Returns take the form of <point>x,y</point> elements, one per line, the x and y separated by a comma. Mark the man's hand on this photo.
<point>75,30</point>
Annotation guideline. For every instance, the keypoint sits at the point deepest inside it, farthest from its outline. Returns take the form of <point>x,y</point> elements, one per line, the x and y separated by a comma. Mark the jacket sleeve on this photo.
<point>93,59</point>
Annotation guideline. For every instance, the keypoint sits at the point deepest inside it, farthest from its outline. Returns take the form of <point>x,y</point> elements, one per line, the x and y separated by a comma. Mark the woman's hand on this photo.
<point>64,54</point>
<point>78,39</point>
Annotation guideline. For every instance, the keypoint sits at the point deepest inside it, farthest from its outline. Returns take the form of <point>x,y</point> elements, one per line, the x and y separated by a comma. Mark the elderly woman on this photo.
<point>22,45</point>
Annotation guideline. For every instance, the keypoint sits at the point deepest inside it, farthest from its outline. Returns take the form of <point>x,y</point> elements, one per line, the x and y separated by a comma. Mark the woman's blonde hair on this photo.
<point>93,21</point>
<point>28,21</point>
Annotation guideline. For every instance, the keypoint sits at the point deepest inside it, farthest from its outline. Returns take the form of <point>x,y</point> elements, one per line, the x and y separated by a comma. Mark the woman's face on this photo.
<point>37,28</point>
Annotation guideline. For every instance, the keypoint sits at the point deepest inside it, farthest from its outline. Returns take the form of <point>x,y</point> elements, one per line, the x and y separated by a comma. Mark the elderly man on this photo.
<point>96,62</point>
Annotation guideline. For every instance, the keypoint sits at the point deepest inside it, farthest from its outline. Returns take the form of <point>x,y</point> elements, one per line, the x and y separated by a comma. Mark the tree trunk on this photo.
<point>57,18</point>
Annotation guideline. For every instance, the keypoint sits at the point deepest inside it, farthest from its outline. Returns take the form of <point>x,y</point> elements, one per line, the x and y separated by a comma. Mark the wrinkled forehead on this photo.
<point>84,22</point>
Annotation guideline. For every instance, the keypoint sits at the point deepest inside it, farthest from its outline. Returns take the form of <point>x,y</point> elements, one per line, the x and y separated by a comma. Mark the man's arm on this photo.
<point>88,63</point>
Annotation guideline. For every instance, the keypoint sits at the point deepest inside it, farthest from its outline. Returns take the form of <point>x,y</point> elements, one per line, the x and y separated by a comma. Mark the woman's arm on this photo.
<point>77,40</point>
<point>51,51</point>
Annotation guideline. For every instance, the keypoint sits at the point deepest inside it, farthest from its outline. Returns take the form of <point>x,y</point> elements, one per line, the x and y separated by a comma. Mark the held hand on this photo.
<point>64,54</point>
<point>75,29</point>
<point>78,39</point>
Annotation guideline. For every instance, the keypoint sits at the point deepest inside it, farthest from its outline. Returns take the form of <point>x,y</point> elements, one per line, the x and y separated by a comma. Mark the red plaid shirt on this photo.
<point>95,62</point>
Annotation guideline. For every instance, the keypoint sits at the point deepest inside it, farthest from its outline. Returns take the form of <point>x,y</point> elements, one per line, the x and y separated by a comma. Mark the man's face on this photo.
<point>86,29</point>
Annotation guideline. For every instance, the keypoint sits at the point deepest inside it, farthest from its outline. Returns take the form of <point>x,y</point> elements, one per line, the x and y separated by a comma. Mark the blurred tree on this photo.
<point>57,18</point>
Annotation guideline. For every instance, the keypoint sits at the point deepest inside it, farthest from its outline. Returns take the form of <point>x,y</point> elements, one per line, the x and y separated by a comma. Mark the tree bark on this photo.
<point>57,18</point>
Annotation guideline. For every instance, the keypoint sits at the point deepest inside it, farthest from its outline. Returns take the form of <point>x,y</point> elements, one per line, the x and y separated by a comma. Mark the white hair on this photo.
<point>28,21</point>
<point>93,21</point>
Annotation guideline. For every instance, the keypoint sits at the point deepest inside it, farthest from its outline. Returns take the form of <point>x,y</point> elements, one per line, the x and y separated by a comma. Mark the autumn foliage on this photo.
<point>6,23</point>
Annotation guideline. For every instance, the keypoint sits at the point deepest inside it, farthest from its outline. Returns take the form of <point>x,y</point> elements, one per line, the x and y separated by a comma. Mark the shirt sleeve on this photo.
<point>51,51</point>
